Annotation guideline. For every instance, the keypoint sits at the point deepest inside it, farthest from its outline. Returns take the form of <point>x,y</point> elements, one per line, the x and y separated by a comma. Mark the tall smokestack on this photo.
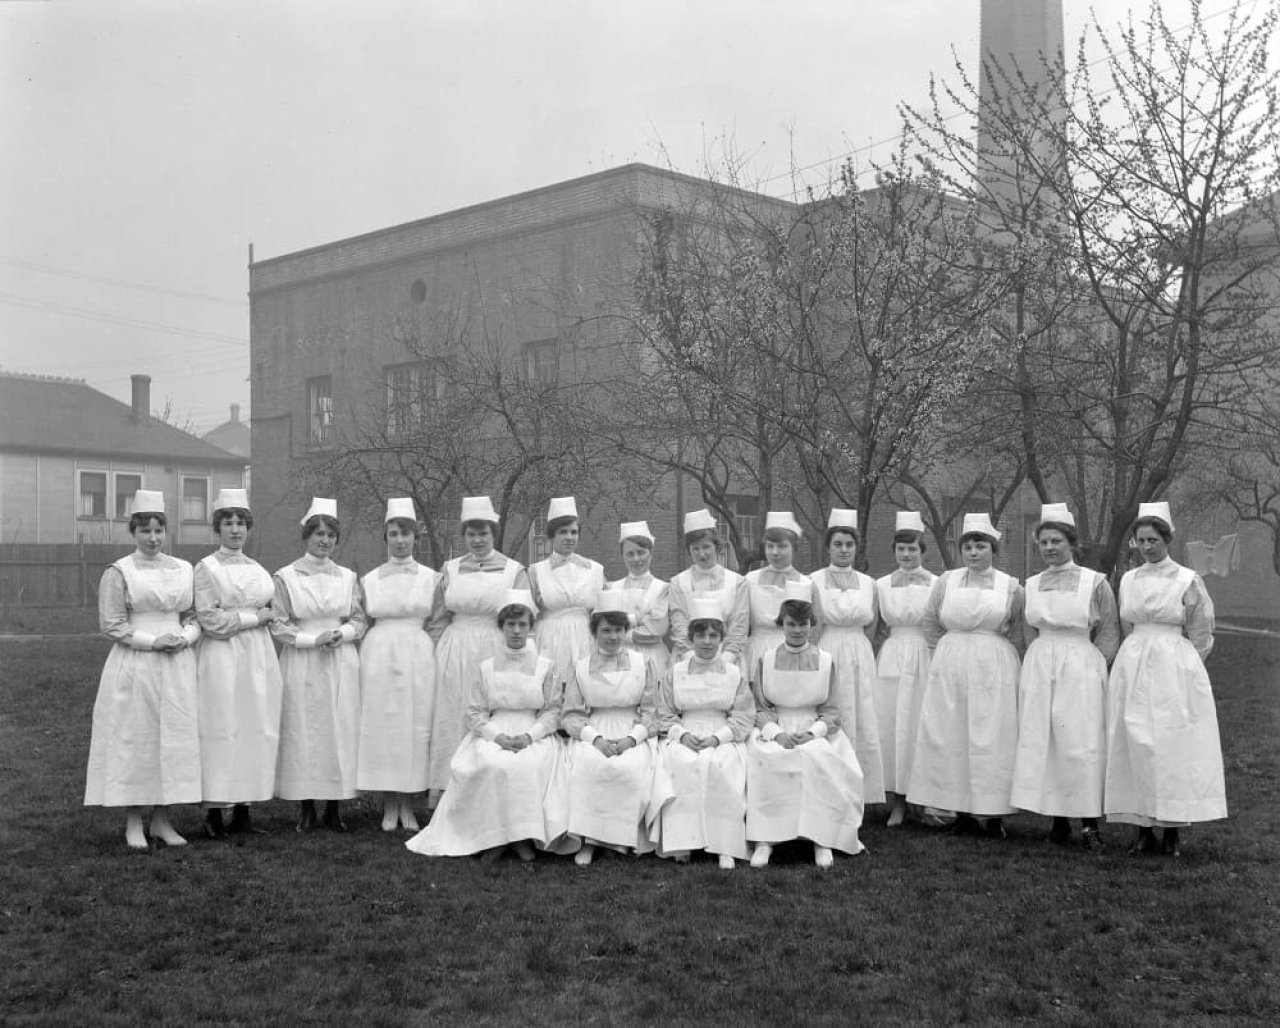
<point>141,398</point>
<point>1020,49</point>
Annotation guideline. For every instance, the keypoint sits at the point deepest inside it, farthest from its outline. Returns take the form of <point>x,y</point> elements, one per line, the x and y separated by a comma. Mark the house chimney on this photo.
<point>141,398</point>
<point>235,414</point>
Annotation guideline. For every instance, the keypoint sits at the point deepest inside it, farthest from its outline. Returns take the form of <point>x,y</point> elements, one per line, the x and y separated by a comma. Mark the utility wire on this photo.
<point>118,319</point>
<point>122,283</point>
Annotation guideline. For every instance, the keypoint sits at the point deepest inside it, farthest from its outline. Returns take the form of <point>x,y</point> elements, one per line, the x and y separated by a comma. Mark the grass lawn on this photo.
<point>353,928</point>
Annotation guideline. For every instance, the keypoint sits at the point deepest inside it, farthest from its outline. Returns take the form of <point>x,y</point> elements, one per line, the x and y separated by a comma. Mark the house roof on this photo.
<point>41,414</point>
<point>234,436</point>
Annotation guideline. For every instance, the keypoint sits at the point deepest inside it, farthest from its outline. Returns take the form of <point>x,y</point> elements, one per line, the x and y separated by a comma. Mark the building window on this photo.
<point>126,486</point>
<point>539,544</point>
<point>408,388</point>
<point>746,518</point>
<point>195,499</point>
<point>542,361</point>
<point>92,493</point>
<point>320,405</point>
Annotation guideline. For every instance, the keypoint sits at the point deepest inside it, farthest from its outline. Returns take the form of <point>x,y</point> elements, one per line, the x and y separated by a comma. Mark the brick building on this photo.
<point>533,268</point>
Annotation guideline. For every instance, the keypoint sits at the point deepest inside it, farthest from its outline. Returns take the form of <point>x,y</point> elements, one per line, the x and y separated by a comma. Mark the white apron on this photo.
<point>240,693</point>
<point>614,800</point>
<point>1164,758</point>
<point>473,636</point>
<point>765,600</point>
<point>638,602</point>
<point>145,745</point>
<point>397,682</point>
<point>812,791</point>
<point>1062,738</point>
<point>845,615</point>
<point>709,807</point>
<point>902,669</point>
<point>566,596</point>
<point>496,796</point>
<point>320,716</point>
<point>968,732</point>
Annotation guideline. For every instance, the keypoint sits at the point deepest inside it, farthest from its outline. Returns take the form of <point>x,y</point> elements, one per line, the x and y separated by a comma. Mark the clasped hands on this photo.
<point>170,642</point>
<point>514,743</point>
<point>614,747</point>
<point>699,742</point>
<point>790,740</point>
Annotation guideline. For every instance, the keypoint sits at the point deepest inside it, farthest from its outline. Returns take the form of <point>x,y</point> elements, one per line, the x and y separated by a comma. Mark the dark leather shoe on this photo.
<point>1060,833</point>
<point>306,816</point>
<point>1091,839</point>
<point>995,828</point>
<point>333,817</point>
<point>241,823</point>
<point>213,827</point>
<point>965,824</point>
<point>1145,843</point>
<point>1169,843</point>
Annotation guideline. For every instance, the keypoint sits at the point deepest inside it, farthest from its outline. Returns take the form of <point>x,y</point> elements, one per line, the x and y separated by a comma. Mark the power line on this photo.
<point>118,319</point>
<point>122,283</point>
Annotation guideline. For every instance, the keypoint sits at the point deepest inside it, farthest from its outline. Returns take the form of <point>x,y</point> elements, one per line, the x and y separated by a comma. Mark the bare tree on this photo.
<point>1145,173</point>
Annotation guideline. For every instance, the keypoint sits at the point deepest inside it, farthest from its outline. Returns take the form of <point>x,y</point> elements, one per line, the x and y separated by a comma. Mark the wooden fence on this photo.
<point>61,574</point>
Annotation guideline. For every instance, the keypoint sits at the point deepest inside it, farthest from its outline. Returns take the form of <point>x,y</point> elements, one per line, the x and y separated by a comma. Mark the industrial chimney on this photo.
<point>141,398</point>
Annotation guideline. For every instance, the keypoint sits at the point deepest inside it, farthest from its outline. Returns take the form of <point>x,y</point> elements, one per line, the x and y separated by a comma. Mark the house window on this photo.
<point>126,486</point>
<point>92,493</point>
<point>195,499</point>
<point>542,361</point>
<point>320,405</point>
<point>539,544</point>
<point>408,387</point>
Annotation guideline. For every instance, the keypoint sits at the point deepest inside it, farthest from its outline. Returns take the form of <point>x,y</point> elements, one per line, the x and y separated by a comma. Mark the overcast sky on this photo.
<point>145,145</point>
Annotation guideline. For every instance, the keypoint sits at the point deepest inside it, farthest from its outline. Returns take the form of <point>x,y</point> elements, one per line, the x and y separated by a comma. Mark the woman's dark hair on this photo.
<point>908,535</point>
<point>404,524</point>
<point>513,611</point>
<point>831,534</point>
<point>1166,533</point>
<point>615,618</point>
<point>781,535</point>
<point>316,520</point>
<point>995,543</point>
<point>796,610</point>
<point>219,516</point>
<point>555,524</point>
<point>478,525</point>
<point>706,625</point>
<point>1068,531</point>
<point>137,521</point>
<point>701,535</point>
<point>639,540</point>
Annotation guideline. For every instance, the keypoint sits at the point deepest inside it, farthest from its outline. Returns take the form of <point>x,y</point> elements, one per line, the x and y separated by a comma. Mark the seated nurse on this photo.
<point>615,789</point>
<point>706,711</point>
<point>507,779</point>
<point>803,778</point>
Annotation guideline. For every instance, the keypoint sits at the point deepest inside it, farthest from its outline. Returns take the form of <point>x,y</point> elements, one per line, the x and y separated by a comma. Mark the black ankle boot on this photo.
<point>240,819</point>
<point>213,827</point>
<point>306,816</point>
<point>1145,843</point>
<point>1169,843</point>
<point>1060,833</point>
<point>333,817</point>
